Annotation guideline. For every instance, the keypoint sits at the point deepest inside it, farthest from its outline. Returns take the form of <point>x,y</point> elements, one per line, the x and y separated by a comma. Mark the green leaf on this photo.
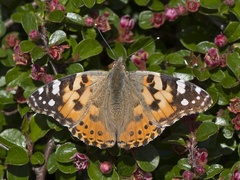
<point>75,18</point>
<point>14,137</point>
<point>156,5</point>
<point>126,165</point>
<point>213,170</point>
<point>3,53</point>
<point>89,3</point>
<point>142,2</point>
<point>145,43</point>
<point>22,109</point>
<point>29,22</point>
<point>17,17</point>
<point>6,97</point>
<point>38,127</point>
<point>184,164</point>
<point>217,75</point>
<point>26,46</point>
<point>52,164</point>
<point>229,81</point>
<point>147,158</point>
<point>155,59</point>
<point>74,68</point>
<point>16,76</point>
<point>18,172</point>
<point>89,33</point>
<point>177,58</point>
<point>16,156</point>
<point>118,50</point>
<point>71,5</point>
<point>218,93</point>
<point>67,168</point>
<point>37,158</point>
<point>205,130</point>
<point>213,4</point>
<point>2,29</point>
<point>37,53</point>
<point>57,37</point>
<point>94,171</point>
<point>236,9</point>
<point>233,62</point>
<point>232,31</point>
<point>87,48</point>
<point>2,171</point>
<point>65,152</point>
<point>175,171</point>
<point>204,46</point>
<point>8,61</point>
<point>2,81</point>
<point>144,19</point>
<point>228,132</point>
<point>201,75</point>
<point>56,16</point>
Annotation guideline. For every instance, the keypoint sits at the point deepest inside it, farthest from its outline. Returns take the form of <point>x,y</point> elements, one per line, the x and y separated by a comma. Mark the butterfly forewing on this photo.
<point>168,98</point>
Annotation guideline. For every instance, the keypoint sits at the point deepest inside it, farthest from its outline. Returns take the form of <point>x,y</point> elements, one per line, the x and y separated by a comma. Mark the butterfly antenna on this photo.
<point>105,41</point>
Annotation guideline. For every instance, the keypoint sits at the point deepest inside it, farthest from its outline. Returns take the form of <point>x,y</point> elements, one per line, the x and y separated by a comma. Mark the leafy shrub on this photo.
<point>42,41</point>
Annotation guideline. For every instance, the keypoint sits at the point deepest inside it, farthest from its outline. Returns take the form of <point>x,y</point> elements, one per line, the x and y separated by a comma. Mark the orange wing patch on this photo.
<point>92,130</point>
<point>158,99</point>
<point>139,131</point>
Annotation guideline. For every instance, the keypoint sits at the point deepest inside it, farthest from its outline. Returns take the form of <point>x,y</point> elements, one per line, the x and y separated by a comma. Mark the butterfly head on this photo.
<point>119,64</point>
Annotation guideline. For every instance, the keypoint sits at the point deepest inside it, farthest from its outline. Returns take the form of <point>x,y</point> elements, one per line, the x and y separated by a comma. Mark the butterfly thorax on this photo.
<point>116,84</point>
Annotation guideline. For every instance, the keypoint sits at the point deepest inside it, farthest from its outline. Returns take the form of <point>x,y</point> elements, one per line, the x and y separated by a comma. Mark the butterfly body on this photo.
<point>128,108</point>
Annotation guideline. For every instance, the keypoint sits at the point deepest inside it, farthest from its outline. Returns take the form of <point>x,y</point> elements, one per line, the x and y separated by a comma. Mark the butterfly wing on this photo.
<point>159,101</point>
<point>137,129</point>
<point>74,102</point>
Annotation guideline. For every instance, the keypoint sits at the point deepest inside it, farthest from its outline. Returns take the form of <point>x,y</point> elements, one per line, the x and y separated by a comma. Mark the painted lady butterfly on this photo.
<point>130,108</point>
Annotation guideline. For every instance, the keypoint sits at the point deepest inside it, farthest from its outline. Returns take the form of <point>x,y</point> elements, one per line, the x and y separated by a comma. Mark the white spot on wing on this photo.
<point>51,102</point>
<point>40,98</point>
<point>193,101</point>
<point>56,87</point>
<point>184,102</point>
<point>44,102</point>
<point>198,97</point>
<point>181,87</point>
<point>198,90</point>
<point>40,90</point>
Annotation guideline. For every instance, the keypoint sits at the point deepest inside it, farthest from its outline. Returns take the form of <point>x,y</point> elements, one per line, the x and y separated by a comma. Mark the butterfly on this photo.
<point>127,108</point>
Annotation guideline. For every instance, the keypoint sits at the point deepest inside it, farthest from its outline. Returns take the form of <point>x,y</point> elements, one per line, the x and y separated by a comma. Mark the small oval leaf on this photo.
<point>16,156</point>
<point>147,158</point>
<point>57,37</point>
<point>205,130</point>
<point>87,48</point>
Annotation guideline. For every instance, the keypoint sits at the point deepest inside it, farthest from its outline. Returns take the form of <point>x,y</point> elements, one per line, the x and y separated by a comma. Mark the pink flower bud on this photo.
<point>187,175</point>
<point>171,14</point>
<point>158,19</point>
<point>34,35</point>
<point>220,40</point>
<point>192,5</point>
<point>106,167</point>
<point>80,160</point>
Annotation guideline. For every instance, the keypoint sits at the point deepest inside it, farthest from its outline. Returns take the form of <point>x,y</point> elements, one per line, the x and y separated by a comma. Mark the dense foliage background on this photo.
<point>45,40</point>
